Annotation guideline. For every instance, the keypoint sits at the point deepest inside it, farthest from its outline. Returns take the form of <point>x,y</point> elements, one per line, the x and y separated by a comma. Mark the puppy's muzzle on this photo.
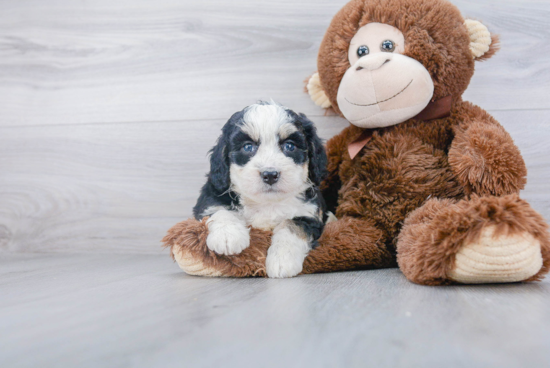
<point>270,177</point>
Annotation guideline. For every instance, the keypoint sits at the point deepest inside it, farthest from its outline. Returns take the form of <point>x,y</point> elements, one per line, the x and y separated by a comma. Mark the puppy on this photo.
<point>265,172</point>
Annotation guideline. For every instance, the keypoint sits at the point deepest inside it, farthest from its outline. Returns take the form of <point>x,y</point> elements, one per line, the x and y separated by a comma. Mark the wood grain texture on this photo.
<point>142,311</point>
<point>119,187</point>
<point>104,187</point>
<point>109,108</point>
<point>67,62</point>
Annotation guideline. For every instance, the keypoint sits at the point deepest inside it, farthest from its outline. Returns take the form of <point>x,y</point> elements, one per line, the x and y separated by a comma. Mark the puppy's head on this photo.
<point>267,152</point>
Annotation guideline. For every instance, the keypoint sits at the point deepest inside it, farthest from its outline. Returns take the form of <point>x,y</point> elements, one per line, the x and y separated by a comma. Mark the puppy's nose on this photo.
<point>270,177</point>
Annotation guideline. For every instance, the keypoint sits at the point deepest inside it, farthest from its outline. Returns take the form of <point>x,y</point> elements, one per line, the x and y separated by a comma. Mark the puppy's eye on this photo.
<point>288,146</point>
<point>249,147</point>
<point>387,46</point>
<point>362,51</point>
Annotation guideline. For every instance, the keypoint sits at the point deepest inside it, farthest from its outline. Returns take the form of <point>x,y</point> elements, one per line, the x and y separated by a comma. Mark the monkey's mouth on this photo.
<point>387,99</point>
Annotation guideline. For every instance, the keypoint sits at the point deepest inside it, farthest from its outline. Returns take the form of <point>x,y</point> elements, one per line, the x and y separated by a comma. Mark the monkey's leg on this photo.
<point>187,241</point>
<point>349,244</point>
<point>346,244</point>
<point>480,240</point>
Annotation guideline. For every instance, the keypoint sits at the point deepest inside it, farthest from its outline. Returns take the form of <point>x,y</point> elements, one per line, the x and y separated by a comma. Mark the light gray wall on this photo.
<point>108,108</point>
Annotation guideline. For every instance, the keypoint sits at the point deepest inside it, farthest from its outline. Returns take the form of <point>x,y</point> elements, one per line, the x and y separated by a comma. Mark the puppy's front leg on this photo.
<point>227,233</point>
<point>291,242</point>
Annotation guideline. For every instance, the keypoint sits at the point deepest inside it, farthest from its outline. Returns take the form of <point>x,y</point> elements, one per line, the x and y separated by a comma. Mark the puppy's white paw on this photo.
<point>281,267</point>
<point>285,256</point>
<point>227,233</point>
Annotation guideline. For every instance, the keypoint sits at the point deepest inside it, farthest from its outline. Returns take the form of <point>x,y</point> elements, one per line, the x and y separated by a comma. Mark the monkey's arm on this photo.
<point>484,157</point>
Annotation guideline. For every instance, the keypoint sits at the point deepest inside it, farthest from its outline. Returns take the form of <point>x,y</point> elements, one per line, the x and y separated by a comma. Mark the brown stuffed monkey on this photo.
<point>420,179</point>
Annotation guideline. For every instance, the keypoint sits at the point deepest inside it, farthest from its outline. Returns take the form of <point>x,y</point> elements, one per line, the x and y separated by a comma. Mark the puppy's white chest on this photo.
<point>267,216</point>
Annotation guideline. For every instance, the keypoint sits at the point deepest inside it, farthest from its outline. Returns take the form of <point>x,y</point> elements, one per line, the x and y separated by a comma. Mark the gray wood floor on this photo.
<point>140,311</point>
<point>108,109</point>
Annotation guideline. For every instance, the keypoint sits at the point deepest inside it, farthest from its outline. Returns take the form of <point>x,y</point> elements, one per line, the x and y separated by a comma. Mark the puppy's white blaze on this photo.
<point>268,125</point>
<point>262,122</point>
<point>227,233</point>
<point>286,130</point>
<point>285,256</point>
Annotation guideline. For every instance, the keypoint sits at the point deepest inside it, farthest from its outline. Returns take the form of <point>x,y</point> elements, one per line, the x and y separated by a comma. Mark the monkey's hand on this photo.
<point>486,161</point>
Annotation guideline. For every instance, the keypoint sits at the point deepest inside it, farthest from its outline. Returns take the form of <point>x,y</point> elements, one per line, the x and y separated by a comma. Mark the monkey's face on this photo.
<point>382,62</point>
<point>382,87</point>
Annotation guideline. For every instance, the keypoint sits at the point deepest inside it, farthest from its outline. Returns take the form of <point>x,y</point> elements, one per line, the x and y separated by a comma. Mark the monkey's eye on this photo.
<point>387,46</point>
<point>249,148</point>
<point>288,146</point>
<point>362,51</point>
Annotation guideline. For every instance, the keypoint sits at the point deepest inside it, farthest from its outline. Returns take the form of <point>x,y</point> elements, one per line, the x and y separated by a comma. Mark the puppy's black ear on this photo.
<point>316,151</point>
<point>219,166</point>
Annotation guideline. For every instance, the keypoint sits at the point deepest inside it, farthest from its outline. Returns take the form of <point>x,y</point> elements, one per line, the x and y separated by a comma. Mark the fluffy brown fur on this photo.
<point>340,249</point>
<point>418,190</point>
<point>434,233</point>
<point>434,34</point>
<point>349,244</point>
<point>484,158</point>
<point>190,235</point>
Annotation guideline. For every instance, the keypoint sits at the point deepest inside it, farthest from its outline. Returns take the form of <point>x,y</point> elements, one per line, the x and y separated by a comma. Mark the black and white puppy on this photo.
<point>265,172</point>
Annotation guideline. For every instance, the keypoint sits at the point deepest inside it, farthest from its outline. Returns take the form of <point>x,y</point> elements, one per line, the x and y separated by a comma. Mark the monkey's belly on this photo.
<point>387,187</point>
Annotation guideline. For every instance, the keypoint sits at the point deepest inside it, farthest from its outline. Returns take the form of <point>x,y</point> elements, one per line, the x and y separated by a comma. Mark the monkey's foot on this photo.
<point>187,242</point>
<point>192,265</point>
<point>474,241</point>
<point>495,258</point>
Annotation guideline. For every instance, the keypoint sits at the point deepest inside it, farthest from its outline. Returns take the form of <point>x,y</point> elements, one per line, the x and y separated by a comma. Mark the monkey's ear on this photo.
<point>316,91</point>
<point>483,45</point>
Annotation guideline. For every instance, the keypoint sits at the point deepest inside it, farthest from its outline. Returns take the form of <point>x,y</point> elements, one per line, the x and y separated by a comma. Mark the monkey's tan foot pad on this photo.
<point>193,266</point>
<point>497,258</point>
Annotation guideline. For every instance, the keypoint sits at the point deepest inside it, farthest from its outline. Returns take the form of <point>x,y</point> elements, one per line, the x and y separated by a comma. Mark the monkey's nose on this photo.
<point>373,62</point>
<point>270,177</point>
